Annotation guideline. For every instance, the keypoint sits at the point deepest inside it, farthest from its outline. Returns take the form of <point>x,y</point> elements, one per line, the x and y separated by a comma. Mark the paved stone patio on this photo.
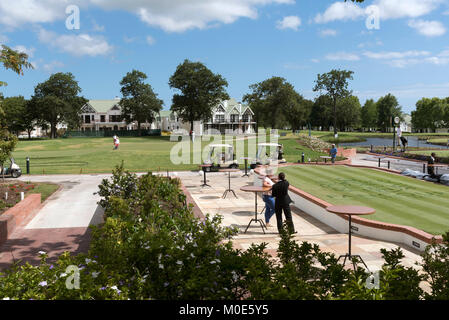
<point>239,211</point>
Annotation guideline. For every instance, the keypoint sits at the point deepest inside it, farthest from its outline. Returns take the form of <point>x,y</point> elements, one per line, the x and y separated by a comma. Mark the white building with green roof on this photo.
<point>103,115</point>
<point>229,117</point>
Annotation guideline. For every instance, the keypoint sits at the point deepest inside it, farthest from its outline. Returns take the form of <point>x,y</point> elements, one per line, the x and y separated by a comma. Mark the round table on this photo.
<point>246,166</point>
<point>351,211</point>
<point>203,167</point>
<point>229,177</point>
<point>256,190</point>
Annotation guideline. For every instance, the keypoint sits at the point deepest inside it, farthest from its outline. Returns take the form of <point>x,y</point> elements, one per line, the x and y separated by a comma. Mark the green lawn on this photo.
<point>140,154</point>
<point>397,199</point>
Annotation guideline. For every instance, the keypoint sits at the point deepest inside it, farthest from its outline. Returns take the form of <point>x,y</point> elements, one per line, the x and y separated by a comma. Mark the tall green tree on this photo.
<point>335,84</point>
<point>430,113</point>
<point>15,112</point>
<point>349,113</point>
<point>139,102</point>
<point>19,115</point>
<point>273,99</point>
<point>369,114</point>
<point>57,101</point>
<point>200,90</point>
<point>387,109</point>
<point>321,114</point>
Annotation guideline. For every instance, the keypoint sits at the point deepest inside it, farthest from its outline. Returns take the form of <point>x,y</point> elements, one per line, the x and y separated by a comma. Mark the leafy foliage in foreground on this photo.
<point>152,247</point>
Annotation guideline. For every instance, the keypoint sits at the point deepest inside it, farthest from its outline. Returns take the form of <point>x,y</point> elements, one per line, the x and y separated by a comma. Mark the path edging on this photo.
<point>15,216</point>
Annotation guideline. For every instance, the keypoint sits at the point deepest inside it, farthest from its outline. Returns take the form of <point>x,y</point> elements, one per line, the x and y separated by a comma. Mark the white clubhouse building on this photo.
<point>229,116</point>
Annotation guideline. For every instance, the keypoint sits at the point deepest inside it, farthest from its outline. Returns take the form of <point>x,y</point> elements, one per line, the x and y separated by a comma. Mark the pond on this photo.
<point>388,142</point>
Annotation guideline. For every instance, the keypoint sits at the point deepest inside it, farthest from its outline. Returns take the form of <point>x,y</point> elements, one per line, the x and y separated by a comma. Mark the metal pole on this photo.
<point>350,233</point>
<point>28,165</point>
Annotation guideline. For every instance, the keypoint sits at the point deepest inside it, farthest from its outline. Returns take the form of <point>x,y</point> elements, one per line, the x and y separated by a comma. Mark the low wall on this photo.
<point>316,208</point>
<point>14,216</point>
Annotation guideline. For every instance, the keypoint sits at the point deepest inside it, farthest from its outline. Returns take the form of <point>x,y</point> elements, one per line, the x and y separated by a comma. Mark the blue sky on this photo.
<point>246,41</point>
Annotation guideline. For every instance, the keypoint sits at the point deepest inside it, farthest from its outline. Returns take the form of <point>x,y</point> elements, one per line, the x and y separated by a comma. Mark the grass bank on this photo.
<point>397,199</point>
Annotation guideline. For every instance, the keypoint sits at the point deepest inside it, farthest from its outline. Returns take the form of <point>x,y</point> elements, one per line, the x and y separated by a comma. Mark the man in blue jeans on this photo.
<point>269,201</point>
<point>333,152</point>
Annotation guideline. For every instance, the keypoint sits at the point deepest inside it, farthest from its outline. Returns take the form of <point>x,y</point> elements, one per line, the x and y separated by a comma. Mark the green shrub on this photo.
<point>151,246</point>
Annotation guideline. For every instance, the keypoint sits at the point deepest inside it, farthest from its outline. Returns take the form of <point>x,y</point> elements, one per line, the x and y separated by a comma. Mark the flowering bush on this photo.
<point>314,143</point>
<point>151,246</point>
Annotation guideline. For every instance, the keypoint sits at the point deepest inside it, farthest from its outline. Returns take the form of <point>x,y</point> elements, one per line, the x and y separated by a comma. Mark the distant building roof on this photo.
<point>103,105</point>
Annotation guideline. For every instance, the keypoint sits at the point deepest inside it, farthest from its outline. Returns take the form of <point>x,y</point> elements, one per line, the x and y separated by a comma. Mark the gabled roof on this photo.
<point>103,106</point>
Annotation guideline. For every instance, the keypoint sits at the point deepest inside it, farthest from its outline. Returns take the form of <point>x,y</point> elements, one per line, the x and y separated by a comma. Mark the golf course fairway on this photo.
<point>397,199</point>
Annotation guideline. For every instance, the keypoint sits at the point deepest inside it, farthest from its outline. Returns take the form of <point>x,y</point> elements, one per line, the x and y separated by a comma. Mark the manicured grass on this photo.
<point>441,153</point>
<point>45,189</point>
<point>95,155</point>
<point>397,199</point>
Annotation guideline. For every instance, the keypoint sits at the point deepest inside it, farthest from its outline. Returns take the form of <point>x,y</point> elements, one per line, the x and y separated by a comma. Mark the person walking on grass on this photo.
<point>282,203</point>
<point>116,142</point>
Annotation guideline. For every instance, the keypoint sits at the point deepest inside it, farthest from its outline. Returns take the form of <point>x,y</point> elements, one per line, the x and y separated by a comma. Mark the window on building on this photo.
<point>86,119</point>
<point>245,118</point>
<point>234,118</point>
<point>220,118</point>
<point>103,118</point>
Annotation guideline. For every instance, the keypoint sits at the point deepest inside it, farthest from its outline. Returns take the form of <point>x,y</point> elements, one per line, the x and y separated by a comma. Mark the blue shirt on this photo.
<point>333,152</point>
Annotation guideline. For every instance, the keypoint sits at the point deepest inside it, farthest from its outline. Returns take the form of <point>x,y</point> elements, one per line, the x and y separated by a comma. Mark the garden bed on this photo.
<point>14,189</point>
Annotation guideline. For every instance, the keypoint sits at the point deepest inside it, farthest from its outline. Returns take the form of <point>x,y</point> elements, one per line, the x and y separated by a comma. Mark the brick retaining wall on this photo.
<point>16,215</point>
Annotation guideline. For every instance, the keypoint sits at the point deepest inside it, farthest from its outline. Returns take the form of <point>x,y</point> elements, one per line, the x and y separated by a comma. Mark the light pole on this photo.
<point>395,122</point>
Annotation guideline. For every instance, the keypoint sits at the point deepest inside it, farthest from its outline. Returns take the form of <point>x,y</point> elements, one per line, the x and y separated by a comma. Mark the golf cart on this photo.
<point>221,156</point>
<point>268,153</point>
<point>13,170</point>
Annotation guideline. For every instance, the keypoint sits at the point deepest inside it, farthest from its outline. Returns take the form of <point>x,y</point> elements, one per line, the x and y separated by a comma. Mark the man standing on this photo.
<point>431,169</point>
<point>282,203</point>
<point>333,153</point>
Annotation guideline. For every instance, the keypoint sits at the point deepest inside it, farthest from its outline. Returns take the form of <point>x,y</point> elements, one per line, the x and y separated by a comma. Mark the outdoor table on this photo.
<point>326,158</point>
<point>436,165</point>
<point>246,166</point>
<point>229,177</point>
<point>203,167</point>
<point>255,190</point>
<point>351,211</point>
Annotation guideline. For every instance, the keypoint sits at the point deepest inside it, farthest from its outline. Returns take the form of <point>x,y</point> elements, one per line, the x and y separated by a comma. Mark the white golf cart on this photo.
<point>13,170</point>
<point>221,156</point>
<point>268,153</point>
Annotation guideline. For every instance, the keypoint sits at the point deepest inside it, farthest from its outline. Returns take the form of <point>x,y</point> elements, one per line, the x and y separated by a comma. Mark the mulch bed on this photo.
<point>13,190</point>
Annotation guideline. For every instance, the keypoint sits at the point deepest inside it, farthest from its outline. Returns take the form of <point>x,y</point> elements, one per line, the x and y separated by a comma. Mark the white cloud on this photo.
<point>169,15</point>
<point>394,9</point>
<point>343,56</point>
<point>395,54</point>
<point>23,49</point>
<point>18,12</point>
<point>409,58</point>
<point>328,33</point>
<point>388,9</point>
<point>150,40</point>
<point>53,66</point>
<point>290,22</point>
<point>77,45</point>
<point>182,15</point>
<point>340,11</point>
<point>428,28</point>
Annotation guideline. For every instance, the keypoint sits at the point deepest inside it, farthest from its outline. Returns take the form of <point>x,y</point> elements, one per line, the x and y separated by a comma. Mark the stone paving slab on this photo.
<point>238,213</point>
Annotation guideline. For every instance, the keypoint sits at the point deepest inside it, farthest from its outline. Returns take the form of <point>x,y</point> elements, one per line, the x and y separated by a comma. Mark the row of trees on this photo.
<point>431,114</point>
<point>58,101</point>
